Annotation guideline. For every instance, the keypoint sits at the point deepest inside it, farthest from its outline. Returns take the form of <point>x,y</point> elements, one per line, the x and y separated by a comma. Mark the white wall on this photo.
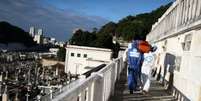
<point>38,39</point>
<point>188,78</point>
<point>94,58</point>
<point>182,18</point>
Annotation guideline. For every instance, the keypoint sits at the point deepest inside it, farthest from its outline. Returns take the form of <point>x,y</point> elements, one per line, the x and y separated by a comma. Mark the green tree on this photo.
<point>83,38</point>
<point>104,41</point>
<point>127,28</point>
<point>92,39</point>
<point>61,54</point>
<point>139,25</point>
<point>109,28</point>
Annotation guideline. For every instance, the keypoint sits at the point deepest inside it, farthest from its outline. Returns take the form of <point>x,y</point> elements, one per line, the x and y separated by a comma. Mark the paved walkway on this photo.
<point>157,92</point>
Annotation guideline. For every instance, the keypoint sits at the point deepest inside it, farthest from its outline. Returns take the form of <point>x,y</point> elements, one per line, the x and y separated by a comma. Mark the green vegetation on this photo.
<point>127,28</point>
<point>130,27</point>
<point>101,38</point>
<point>95,39</point>
<point>139,25</point>
<point>13,34</point>
<point>83,38</point>
<point>61,54</point>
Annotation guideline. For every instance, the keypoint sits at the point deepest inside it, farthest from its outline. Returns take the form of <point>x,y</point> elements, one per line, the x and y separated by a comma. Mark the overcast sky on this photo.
<point>58,18</point>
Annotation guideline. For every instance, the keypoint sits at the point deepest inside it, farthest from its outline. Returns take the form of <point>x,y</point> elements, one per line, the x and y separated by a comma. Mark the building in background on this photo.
<point>40,31</point>
<point>38,39</point>
<point>80,59</point>
<point>54,51</point>
<point>52,41</point>
<point>32,31</point>
<point>46,40</point>
<point>60,44</point>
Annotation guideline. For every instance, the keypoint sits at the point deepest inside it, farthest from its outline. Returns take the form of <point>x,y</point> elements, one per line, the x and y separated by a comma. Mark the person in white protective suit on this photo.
<point>148,64</point>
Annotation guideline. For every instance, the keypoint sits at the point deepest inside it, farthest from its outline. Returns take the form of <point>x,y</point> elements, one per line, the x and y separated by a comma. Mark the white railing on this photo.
<point>97,87</point>
<point>181,14</point>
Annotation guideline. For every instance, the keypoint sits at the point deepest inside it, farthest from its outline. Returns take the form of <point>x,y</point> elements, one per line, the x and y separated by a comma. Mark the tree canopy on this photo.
<point>139,25</point>
<point>99,39</point>
<point>61,54</point>
<point>83,38</point>
<point>128,28</point>
<point>92,39</point>
<point>109,28</point>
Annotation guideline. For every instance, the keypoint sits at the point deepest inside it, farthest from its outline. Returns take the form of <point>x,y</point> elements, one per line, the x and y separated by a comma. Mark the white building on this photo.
<point>32,31</point>
<point>38,39</point>
<point>46,40</point>
<point>178,37</point>
<point>60,44</point>
<point>80,58</point>
<point>54,51</point>
<point>52,41</point>
<point>40,32</point>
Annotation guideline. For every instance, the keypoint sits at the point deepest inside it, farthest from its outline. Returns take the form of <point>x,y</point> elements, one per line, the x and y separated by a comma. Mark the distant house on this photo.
<point>80,59</point>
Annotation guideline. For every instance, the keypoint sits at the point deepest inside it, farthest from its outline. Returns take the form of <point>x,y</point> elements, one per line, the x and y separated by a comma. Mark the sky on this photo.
<point>58,18</point>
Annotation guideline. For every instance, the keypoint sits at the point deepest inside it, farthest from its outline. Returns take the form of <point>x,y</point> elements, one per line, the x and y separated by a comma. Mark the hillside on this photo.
<point>13,34</point>
<point>137,25</point>
<point>126,29</point>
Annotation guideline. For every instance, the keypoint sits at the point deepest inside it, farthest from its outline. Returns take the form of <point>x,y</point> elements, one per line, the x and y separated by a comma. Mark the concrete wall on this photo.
<point>187,79</point>
<point>168,33</point>
<point>95,57</point>
<point>48,62</point>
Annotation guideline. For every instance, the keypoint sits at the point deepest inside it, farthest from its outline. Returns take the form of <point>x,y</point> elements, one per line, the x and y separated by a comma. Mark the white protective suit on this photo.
<point>149,60</point>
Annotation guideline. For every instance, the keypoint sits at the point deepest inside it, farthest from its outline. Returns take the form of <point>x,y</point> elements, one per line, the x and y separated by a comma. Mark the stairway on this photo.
<point>157,92</point>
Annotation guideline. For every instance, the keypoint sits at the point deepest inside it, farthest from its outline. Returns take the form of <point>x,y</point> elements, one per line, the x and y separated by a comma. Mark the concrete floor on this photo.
<point>157,92</point>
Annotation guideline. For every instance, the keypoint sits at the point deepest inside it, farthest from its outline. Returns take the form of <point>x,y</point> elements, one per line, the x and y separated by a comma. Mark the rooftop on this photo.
<point>88,48</point>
